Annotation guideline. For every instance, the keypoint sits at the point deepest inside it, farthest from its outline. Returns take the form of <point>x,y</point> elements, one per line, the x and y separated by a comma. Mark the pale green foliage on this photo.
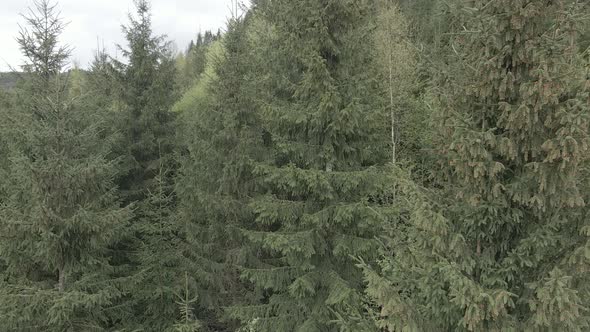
<point>192,64</point>
<point>197,97</point>
<point>185,302</point>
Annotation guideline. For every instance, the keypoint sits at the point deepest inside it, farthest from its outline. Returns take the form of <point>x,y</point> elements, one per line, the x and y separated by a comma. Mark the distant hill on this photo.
<point>8,80</point>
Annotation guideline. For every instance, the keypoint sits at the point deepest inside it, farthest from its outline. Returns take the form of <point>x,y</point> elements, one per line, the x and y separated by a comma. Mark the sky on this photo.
<point>98,22</point>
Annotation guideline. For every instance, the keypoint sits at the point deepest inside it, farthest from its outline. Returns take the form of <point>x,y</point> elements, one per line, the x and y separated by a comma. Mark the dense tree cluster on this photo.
<point>315,166</point>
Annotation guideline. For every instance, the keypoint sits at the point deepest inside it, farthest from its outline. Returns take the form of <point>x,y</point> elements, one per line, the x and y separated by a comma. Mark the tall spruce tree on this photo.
<point>326,137</point>
<point>505,246</point>
<point>222,138</point>
<point>164,262</point>
<point>60,211</point>
<point>147,94</point>
<point>146,81</point>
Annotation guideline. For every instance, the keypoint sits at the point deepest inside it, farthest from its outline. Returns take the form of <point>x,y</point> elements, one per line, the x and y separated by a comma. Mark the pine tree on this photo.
<point>326,137</point>
<point>504,246</point>
<point>61,210</point>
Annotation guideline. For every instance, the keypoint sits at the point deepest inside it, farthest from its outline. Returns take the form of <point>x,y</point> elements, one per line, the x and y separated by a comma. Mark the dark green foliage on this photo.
<point>504,246</point>
<point>163,257</point>
<point>7,100</point>
<point>222,140</point>
<point>324,165</point>
<point>60,210</point>
<point>150,254</point>
<point>146,95</point>
<point>325,138</point>
<point>101,82</point>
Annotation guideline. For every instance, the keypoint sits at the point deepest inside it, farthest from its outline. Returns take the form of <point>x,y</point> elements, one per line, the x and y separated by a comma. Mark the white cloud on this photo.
<point>99,21</point>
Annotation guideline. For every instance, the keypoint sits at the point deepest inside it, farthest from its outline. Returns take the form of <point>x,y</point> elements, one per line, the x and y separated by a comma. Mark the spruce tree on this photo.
<point>60,211</point>
<point>221,139</point>
<point>163,261</point>
<point>187,322</point>
<point>146,81</point>
<point>147,96</point>
<point>504,246</point>
<point>102,84</point>
<point>325,137</point>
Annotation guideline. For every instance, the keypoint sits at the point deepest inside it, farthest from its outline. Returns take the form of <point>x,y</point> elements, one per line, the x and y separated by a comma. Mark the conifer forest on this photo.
<point>313,166</point>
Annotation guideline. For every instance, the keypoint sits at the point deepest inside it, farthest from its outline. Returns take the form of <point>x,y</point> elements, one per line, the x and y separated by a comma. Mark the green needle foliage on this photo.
<point>60,209</point>
<point>147,93</point>
<point>223,139</point>
<point>313,210</point>
<point>187,322</point>
<point>506,247</point>
<point>150,253</point>
<point>314,166</point>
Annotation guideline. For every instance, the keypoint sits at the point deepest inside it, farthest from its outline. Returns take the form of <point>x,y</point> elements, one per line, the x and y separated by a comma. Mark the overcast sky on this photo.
<point>100,20</point>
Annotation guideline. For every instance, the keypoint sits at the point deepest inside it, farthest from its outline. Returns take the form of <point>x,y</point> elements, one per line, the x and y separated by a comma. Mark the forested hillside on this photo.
<point>8,80</point>
<point>315,166</point>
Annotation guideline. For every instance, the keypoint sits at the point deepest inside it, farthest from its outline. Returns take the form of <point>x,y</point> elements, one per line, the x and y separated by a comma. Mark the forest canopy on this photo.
<point>314,166</point>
